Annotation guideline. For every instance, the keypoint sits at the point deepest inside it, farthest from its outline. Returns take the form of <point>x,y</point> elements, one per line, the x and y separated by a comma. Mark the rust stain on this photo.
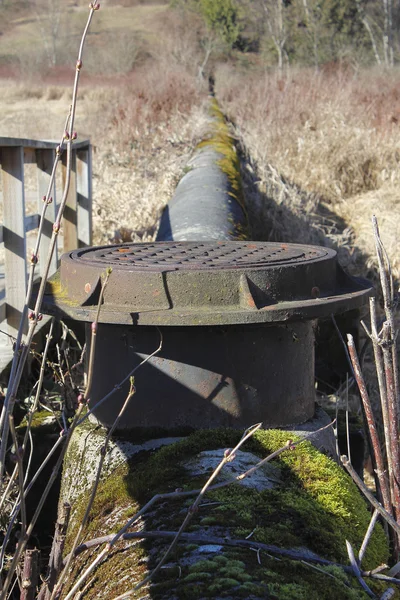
<point>250,301</point>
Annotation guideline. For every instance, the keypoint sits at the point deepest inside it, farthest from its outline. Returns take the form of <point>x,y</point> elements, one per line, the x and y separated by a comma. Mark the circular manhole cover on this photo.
<point>203,283</point>
<point>182,256</point>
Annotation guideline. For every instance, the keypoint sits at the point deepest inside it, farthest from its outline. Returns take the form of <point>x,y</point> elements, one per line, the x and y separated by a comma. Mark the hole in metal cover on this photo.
<point>196,255</point>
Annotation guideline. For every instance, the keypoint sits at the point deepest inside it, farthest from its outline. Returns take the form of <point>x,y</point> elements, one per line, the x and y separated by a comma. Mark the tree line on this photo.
<point>306,32</point>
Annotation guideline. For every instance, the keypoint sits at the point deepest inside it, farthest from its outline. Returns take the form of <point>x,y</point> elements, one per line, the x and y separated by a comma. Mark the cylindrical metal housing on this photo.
<point>237,322</point>
<point>207,376</point>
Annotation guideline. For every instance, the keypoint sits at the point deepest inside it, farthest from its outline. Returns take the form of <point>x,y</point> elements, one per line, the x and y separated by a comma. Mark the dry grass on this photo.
<point>117,33</point>
<point>149,135</point>
<point>321,155</point>
<point>324,154</point>
<point>322,150</point>
<point>143,128</point>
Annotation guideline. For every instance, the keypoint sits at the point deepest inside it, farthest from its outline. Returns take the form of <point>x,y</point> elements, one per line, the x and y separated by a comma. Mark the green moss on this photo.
<point>235,573</point>
<point>251,588</point>
<point>208,566</point>
<point>191,547</point>
<point>221,141</point>
<point>197,576</point>
<point>38,425</point>
<point>223,583</point>
<point>208,521</point>
<point>56,290</point>
<point>288,591</point>
<point>220,559</point>
<point>315,496</point>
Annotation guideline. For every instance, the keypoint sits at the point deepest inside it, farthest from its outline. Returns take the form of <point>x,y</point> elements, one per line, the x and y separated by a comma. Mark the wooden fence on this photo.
<point>77,222</point>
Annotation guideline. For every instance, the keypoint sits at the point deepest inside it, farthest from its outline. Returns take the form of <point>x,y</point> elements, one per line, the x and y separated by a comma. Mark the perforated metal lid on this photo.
<point>203,283</point>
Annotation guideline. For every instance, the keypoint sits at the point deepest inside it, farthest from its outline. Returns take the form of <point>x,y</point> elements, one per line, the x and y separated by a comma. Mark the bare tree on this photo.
<point>49,15</point>
<point>364,19</point>
<point>388,32</point>
<point>275,21</point>
<point>380,29</point>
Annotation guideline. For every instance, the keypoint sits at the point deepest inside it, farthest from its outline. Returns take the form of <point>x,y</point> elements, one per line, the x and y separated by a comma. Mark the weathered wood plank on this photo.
<point>2,311</point>
<point>37,144</point>
<point>12,169</point>
<point>84,192</point>
<point>29,156</point>
<point>77,223</point>
<point>70,230</point>
<point>31,222</point>
<point>45,160</point>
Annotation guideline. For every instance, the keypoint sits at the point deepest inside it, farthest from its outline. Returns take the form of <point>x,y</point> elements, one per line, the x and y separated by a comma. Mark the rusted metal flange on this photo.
<point>203,283</point>
<point>250,356</point>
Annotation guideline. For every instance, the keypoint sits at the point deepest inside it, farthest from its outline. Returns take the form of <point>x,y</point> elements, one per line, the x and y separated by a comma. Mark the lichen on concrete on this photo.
<point>313,506</point>
<point>221,141</point>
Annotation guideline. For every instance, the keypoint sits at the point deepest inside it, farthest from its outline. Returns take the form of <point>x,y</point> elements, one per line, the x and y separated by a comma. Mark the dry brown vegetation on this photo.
<point>143,129</point>
<point>323,155</point>
<point>320,148</point>
<point>139,102</point>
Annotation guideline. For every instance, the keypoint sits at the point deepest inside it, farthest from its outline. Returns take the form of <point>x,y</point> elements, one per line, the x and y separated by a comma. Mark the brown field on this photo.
<point>320,150</point>
<point>323,154</point>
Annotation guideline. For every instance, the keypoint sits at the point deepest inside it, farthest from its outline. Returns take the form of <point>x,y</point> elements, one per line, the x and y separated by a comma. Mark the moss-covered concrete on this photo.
<point>315,506</point>
<point>219,138</point>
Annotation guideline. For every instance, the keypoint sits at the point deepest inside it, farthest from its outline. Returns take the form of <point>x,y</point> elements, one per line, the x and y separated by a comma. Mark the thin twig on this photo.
<point>347,418</point>
<point>388,594</point>
<point>82,525</point>
<point>324,572</point>
<point>386,278</point>
<point>22,351</point>
<point>380,371</point>
<point>18,456</point>
<point>30,574</point>
<point>57,549</point>
<point>123,381</point>
<point>381,471</point>
<point>370,497</point>
<point>357,571</point>
<point>229,456</point>
<point>367,536</point>
<point>343,342</point>
<point>24,539</point>
<point>93,345</point>
<point>387,348</point>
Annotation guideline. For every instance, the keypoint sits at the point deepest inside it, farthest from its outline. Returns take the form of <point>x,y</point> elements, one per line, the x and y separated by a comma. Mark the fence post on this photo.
<point>45,160</point>
<point>84,195</point>
<point>12,163</point>
<point>70,232</point>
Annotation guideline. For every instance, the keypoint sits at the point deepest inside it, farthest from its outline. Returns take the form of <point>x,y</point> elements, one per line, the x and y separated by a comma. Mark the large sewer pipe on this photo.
<point>237,316</point>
